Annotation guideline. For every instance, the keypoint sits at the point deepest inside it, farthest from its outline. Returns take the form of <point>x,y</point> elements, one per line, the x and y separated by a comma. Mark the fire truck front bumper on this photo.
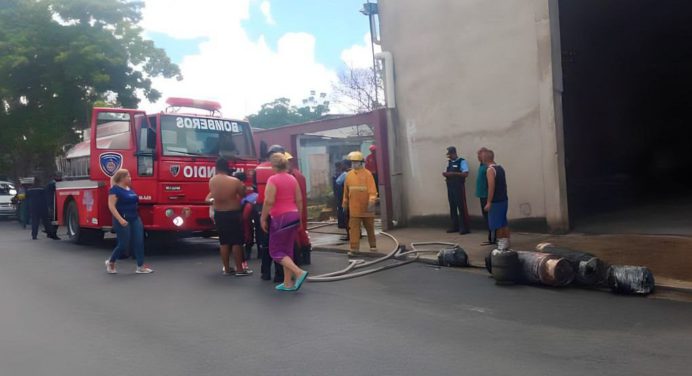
<point>178,218</point>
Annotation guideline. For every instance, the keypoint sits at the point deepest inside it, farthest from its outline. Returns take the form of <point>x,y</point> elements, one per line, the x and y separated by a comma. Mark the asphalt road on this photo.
<point>61,314</point>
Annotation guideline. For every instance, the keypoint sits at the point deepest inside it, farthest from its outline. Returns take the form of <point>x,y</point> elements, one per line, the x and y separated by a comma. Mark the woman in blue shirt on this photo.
<point>122,202</point>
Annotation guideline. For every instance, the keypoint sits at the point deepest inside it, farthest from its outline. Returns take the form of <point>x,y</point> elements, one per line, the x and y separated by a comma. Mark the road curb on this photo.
<point>674,288</point>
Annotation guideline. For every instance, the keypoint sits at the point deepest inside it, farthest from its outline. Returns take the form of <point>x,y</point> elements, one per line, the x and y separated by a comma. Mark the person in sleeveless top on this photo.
<point>498,201</point>
<point>482,194</point>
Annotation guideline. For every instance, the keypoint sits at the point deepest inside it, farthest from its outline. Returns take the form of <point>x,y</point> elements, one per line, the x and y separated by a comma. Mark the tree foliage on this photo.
<point>359,90</point>
<point>57,58</point>
<point>280,112</point>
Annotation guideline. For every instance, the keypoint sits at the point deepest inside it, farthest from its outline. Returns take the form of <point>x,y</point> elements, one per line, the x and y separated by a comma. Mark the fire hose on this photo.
<point>399,254</point>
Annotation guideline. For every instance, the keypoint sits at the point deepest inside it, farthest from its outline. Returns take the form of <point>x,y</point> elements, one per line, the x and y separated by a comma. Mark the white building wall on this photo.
<point>474,73</point>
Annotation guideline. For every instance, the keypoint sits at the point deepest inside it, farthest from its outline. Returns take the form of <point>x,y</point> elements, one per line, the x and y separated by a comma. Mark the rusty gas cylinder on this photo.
<point>589,270</point>
<point>505,266</point>
<point>545,269</point>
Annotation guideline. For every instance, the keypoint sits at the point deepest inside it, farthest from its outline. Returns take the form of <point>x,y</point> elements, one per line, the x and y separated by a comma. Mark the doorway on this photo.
<point>627,77</point>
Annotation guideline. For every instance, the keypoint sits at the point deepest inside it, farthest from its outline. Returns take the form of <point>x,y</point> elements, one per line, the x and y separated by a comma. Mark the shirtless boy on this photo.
<point>225,194</point>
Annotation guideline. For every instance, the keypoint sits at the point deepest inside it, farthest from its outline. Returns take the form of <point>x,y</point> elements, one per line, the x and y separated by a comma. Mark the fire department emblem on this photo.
<point>175,170</point>
<point>110,163</point>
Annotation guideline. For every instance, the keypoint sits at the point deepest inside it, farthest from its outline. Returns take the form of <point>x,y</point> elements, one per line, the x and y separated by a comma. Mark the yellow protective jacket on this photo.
<point>360,193</point>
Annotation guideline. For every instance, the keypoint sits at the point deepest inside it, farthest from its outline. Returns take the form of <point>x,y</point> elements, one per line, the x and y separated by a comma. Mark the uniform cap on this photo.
<point>275,149</point>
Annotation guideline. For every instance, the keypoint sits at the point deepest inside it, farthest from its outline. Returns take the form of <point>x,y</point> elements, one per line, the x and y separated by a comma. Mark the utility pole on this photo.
<point>371,10</point>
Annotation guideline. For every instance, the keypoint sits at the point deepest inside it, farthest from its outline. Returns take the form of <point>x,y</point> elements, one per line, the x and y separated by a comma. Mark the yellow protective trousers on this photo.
<point>354,232</point>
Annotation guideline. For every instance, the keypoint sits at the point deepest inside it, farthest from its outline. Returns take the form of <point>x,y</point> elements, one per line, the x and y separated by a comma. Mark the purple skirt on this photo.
<point>283,230</point>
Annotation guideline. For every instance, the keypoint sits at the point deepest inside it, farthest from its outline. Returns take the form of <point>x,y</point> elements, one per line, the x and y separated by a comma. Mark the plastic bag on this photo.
<point>453,257</point>
<point>625,279</point>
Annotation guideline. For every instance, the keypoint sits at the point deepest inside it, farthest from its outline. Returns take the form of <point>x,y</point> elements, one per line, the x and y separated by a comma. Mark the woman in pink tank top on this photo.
<point>283,202</point>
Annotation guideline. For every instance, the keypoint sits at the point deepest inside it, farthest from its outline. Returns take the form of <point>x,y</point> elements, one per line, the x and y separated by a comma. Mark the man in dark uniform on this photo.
<point>38,207</point>
<point>455,175</point>
<point>23,198</point>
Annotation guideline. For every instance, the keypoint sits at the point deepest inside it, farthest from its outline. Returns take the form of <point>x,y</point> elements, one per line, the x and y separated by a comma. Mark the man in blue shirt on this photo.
<point>455,175</point>
<point>339,193</point>
<point>339,185</point>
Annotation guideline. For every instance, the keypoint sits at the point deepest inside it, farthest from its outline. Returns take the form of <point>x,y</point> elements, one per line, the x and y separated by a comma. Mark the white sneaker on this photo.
<point>110,268</point>
<point>244,273</point>
<point>225,272</point>
<point>143,270</point>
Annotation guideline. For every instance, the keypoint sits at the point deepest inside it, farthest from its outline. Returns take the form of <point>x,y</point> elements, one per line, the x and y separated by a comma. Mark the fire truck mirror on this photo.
<point>147,140</point>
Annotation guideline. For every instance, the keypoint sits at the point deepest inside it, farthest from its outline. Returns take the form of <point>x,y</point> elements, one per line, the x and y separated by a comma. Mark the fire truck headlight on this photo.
<point>169,213</point>
<point>178,221</point>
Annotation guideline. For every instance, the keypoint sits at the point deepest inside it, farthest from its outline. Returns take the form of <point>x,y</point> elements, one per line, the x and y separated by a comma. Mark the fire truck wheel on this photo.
<point>76,233</point>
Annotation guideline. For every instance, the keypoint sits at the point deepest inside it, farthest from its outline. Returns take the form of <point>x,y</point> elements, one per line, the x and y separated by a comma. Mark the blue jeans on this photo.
<point>131,236</point>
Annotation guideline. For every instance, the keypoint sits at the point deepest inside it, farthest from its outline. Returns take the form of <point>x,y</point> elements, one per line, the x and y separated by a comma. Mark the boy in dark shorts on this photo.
<point>225,194</point>
<point>248,208</point>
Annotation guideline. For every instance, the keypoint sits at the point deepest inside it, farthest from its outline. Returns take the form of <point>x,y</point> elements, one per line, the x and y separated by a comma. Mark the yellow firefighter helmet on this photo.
<point>355,156</point>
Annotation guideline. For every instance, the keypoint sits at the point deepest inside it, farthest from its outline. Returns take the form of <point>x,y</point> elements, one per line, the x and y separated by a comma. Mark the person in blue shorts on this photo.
<point>498,201</point>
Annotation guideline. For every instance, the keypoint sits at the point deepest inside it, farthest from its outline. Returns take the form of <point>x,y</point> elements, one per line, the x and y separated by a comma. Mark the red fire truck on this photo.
<point>170,156</point>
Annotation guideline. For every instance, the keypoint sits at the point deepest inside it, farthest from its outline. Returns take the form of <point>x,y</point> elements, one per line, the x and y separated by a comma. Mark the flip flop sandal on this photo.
<point>300,280</point>
<point>281,287</point>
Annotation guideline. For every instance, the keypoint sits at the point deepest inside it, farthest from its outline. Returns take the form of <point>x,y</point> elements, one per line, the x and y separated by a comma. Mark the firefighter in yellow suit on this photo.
<point>360,197</point>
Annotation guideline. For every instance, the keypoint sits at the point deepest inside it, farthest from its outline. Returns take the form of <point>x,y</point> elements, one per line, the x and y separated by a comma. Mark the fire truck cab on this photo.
<point>170,156</point>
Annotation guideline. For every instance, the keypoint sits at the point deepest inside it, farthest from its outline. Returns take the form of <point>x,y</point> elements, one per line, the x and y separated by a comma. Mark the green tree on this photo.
<point>280,112</point>
<point>57,58</point>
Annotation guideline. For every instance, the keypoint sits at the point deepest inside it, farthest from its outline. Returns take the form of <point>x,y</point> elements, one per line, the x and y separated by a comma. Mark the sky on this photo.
<point>244,53</point>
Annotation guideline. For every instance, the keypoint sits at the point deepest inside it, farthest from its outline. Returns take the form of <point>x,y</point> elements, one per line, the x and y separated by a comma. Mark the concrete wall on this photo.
<point>474,73</point>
